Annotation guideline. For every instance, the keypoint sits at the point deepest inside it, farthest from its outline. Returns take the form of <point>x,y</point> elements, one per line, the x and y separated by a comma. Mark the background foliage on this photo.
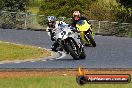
<point>111,10</point>
<point>63,7</point>
<point>14,5</point>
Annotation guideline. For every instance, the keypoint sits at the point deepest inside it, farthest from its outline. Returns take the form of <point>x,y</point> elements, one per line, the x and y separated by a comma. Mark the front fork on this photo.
<point>80,45</point>
<point>84,37</point>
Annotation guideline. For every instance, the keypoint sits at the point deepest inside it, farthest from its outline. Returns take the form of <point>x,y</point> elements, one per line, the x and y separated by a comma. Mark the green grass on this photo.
<point>19,52</point>
<point>52,82</point>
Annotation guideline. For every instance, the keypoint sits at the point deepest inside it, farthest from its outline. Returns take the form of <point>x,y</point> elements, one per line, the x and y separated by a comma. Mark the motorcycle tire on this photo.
<point>89,36</point>
<point>72,53</point>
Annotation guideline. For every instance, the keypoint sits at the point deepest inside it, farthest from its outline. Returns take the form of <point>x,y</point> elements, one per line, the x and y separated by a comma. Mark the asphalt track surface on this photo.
<point>111,52</point>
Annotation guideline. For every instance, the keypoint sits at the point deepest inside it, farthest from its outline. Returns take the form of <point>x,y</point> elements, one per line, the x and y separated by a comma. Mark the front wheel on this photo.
<point>72,52</point>
<point>91,40</point>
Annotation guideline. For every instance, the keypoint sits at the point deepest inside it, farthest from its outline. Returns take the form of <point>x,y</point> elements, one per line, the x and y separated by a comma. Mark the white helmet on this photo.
<point>51,18</point>
<point>51,21</point>
<point>76,13</point>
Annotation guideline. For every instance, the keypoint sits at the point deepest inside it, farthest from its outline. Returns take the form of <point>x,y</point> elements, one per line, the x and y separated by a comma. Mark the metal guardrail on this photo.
<point>112,28</point>
<point>20,20</point>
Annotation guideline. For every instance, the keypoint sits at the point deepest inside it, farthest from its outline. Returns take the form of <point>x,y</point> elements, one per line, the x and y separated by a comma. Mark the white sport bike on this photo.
<point>70,42</point>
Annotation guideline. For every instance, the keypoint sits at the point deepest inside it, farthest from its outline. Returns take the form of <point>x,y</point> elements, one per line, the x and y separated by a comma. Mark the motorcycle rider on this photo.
<point>76,18</point>
<point>52,26</point>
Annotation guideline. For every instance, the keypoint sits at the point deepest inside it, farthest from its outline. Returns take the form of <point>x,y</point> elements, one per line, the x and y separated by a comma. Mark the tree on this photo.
<point>1,4</point>
<point>126,3</point>
<point>125,14</point>
<point>15,5</point>
<point>12,6</point>
<point>63,7</point>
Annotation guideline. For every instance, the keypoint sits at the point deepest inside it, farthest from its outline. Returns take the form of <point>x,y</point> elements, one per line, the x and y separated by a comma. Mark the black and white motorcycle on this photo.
<point>70,42</point>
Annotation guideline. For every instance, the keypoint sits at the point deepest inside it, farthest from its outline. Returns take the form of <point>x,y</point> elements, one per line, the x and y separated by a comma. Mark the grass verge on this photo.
<point>21,52</point>
<point>52,79</point>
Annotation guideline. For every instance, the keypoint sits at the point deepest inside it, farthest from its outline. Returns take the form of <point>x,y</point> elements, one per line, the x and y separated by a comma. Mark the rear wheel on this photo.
<point>89,36</point>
